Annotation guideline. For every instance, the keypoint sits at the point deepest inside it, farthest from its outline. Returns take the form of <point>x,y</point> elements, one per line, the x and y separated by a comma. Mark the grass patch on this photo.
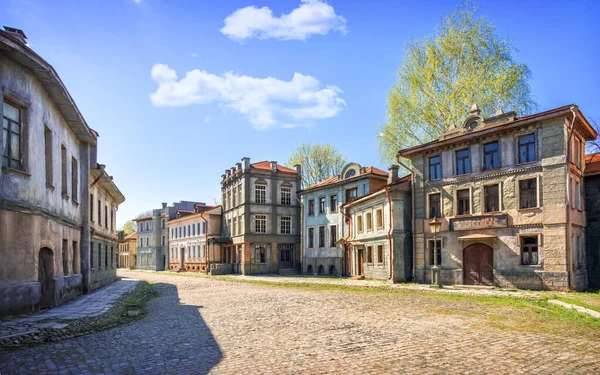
<point>116,316</point>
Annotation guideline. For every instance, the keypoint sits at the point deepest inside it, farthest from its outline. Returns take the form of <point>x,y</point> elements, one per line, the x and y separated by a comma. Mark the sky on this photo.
<point>179,91</point>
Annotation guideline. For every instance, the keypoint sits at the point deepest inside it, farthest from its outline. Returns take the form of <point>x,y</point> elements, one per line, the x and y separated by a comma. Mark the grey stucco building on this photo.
<point>324,225</point>
<point>49,156</point>
<point>261,217</point>
<point>508,192</point>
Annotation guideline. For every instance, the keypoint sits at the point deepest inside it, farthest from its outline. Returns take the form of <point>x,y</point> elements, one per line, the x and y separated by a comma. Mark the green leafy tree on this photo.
<point>129,227</point>
<point>464,63</point>
<point>319,161</point>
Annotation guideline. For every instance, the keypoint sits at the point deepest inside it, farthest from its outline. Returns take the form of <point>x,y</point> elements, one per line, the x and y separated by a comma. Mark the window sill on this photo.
<point>528,209</point>
<point>526,163</point>
<point>532,266</point>
<point>50,186</point>
<point>16,171</point>
<point>75,203</point>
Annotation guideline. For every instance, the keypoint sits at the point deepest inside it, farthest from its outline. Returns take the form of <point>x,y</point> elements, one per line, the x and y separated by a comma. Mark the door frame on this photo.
<point>46,277</point>
<point>360,260</point>
<point>478,245</point>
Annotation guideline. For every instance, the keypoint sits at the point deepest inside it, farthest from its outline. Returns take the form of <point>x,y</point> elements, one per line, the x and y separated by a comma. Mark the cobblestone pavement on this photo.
<point>200,326</point>
<point>89,305</point>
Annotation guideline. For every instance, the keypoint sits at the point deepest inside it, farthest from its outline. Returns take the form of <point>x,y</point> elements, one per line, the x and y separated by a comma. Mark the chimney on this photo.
<point>274,166</point>
<point>222,177</point>
<point>227,173</point>
<point>245,163</point>
<point>164,205</point>
<point>393,175</point>
<point>298,168</point>
<point>232,170</point>
<point>18,33</point>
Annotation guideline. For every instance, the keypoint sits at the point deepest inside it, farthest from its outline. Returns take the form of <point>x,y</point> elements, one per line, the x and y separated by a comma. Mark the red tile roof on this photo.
<point>131,236</point>
<point>145,217</point>
<point>336,179</point>
<point>266,165</point>
<point>592,164</point>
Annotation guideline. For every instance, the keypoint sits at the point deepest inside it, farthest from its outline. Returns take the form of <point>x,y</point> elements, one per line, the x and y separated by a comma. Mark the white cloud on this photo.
<point>206,119</point>
<point>138,2</point>
<point>266,102</point>
<point>311,17</point>
<point>194,55</point>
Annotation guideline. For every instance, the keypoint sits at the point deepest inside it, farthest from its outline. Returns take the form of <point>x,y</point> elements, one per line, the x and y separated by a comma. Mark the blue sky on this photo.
<point>175,145</point>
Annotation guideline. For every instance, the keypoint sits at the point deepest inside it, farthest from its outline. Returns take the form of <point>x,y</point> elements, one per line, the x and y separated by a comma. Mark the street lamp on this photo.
<point>436,271</point>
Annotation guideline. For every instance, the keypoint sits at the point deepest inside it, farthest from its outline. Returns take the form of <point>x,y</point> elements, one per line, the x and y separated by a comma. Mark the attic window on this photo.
<point>350,173</point>
<point>473,124</point>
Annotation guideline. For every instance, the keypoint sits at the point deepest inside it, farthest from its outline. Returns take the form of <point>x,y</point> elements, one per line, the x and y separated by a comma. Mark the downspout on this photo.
<point>568,207</point>
<point>412,211</point>
<point>206,241</point>
<point>349,220</point>
<point>387,192</point>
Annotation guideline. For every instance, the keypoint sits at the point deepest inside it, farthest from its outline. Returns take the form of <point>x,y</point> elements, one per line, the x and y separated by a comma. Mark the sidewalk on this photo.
<point>89,305</point>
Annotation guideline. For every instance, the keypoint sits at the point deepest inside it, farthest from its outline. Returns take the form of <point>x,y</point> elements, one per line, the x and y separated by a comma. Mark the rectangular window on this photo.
<point>321,205</point>
<point>351,194</point>
<point>100,213</point>
<point>286,196</point>
<point>92,207</point>
<point>369,254</point>
<point>12,127</point>
<point>379,218</point>
<point>286,225</point>
<point>99,255</point>
<point>359,223</point>
<point>369,221</point>
<point>203,228</point>
<point>65,260</point>
<point>106,217</point>
<point>74,257</point>
<point>63,158</point>
<point>332,235</point>
<point>435,258</point>
<point>48,154</point>
<point>491,159</point>
<point>240,194</point>
<point>311,238</point>
<point>260,221</point>
<point>189,230</point>
<point>435,167</point>
<point>112,222</point>
<point>162,240</point>
<point>333,203</point>
<point>577,195</point>
<point>492,198</point>
<point>311,207</point>
<point>380,254</point>
<point>463,202</point>
<point>435,207</point>
<point>528,193</point>
<point>529,250</point>
<point>260,194</point>
<point>234,226</point>
<point>260,254</point>
<point>92,254</point>
<point>234,196</point>
<point>240,225</point>
<point>74,179</point>
<point>321,237</point>
<point>527,148</point>
<point>576,159</point>
<point>463,161</point>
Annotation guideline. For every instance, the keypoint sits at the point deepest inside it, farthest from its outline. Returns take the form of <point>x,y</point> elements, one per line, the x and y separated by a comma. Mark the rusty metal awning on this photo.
<point>477,236</point>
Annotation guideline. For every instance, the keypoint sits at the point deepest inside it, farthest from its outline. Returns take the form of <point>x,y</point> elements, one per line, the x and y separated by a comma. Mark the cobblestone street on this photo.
<point>199,325</point>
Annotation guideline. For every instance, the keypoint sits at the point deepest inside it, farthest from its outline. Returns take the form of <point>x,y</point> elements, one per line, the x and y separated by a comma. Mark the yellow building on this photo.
<point>127,250</point>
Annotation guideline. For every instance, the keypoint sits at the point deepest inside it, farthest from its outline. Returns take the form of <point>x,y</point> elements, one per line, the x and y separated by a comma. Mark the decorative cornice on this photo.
<point>484,176</point>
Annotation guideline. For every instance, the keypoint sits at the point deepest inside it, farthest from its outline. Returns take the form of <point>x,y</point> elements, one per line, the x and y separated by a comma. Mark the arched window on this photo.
<point>350,173</point>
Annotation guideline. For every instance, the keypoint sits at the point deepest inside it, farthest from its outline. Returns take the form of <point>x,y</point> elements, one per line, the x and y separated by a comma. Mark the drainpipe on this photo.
<point>412,191</point>
<point>568,190</point>
<point>387,193</point>
<point>349,219</point>
<point>206,240</point>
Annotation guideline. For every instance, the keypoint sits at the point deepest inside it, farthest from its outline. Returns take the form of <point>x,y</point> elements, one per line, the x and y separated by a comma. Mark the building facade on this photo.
<point>323,224</point>
<point>105,198</point>
<point>127,250</point>
<point>261,216</point>
<point>190,237</point>
<point>151,241</point>
<point>592,212</point>
<point>48,153</point>
<point>507,191</point>
<point>379,231</point>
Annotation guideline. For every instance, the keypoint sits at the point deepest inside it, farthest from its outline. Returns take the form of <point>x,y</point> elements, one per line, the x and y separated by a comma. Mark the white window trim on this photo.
<point>308,237</point>
<point>336,236</point>
<point>324,237</point>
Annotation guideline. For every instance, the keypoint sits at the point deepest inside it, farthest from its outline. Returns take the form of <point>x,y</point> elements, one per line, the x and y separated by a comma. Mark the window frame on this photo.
<point>498,198</point>
<point>458,202</point>
<point>259,220</point>
<point>311,207</point>
<point>333,198</point>
<point>321,245</point>
<point>429,215</point>
<point>485,153</point>
<point>465,164</point>
<point>380,254</point>
<point>289,224</point>
<point>322,204</point>
<point>369,221</point>
<point>260,193</point>
<point>430,254</point>
<point>332,235</point>
<point>369,255</point>
<point>359,220</point>
<point>535,148</point>
<point>286,195</point>
<point>310,237</point>
<point>439,167</point>
<point>378,216</point>
<point>22,109</point>
<point>536,192</point>
<point>522,246</point>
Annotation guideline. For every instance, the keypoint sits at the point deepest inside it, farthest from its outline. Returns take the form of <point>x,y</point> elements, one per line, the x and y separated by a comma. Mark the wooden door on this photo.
<point>478,265</point>
<point>361,262</point>
<point>46,277</point>
<point>286,256</point>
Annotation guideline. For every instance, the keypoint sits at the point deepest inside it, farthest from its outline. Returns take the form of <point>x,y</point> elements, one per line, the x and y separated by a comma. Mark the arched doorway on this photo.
<point>46,277</point>
<point>478,265</point>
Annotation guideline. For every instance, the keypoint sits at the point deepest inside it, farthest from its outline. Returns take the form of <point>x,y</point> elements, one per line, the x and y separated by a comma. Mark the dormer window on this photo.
<point>350,173</point>
<point>473,124</point>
